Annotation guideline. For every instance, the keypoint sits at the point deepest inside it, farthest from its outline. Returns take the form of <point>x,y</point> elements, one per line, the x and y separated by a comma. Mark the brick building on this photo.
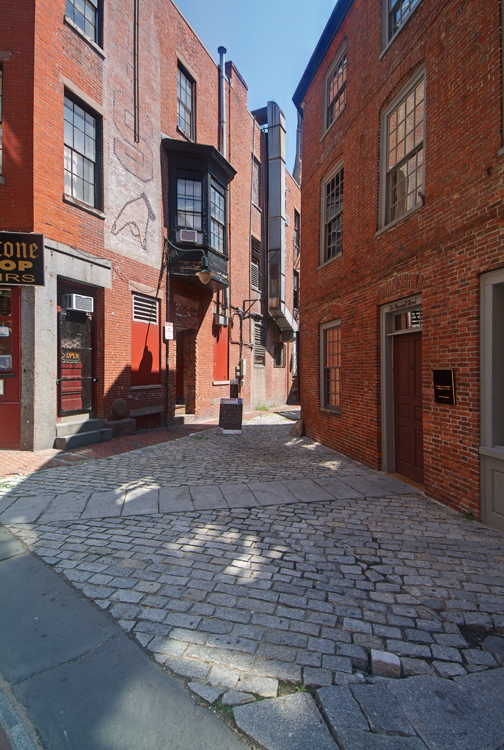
<point>402,297</point>
<point>133,157</point>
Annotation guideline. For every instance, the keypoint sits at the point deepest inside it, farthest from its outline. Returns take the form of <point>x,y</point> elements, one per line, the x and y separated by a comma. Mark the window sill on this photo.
<point>331,260</point>
<point>184,135</point>
<point>220,382</point>
<point>326,131</point>
<point>333,412</point>
<point>145,387</point>
<point>394,223</point>
<point>83,206</point>
<point>84,36</point>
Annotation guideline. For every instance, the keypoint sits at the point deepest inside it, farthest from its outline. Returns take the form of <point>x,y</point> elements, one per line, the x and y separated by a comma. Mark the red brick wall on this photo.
<point>132,225</point>
<point>439,250</point>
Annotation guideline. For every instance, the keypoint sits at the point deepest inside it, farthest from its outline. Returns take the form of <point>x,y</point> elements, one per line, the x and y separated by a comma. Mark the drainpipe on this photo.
<point>222,100</point>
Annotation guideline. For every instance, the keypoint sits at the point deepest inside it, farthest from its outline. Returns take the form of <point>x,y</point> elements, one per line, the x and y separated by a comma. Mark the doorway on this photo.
<point>10,379</point>
<point>408,423</point>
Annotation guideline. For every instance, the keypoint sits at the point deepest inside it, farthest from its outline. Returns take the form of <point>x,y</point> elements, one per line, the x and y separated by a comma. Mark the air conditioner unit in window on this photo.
<point>76,302</point>
<point>189,235</point>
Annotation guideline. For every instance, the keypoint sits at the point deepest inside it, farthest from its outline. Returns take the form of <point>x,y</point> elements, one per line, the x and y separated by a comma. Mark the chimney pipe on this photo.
<point>222,100</point>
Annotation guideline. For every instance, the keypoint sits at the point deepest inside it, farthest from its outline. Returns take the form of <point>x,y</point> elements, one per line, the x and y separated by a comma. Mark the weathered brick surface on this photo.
<point>134,184</point>
<point>440,250</point>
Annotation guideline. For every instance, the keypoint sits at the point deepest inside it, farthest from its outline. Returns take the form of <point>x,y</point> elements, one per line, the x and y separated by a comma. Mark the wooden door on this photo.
<point>408,406</point>
<point>10,375</point>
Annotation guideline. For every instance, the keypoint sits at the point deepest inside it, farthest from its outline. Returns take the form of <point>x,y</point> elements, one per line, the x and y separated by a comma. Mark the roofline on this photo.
<point>335,20</point>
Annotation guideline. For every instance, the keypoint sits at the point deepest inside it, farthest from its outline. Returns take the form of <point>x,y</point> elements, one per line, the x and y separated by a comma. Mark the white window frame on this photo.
<point>342,55</point>
<point>86,148</point>
<point>384,217</point>
<point>336,409</point>
<point>339,167</point>
<point>388,36</point>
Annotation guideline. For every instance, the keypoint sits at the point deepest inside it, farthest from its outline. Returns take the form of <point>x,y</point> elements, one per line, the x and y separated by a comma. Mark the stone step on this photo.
<point>77,425</point>
<point>77,440</point>
<point>181,416</point>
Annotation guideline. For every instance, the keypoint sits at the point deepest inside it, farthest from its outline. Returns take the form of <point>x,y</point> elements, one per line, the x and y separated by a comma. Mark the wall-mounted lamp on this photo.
<point>173,252</point>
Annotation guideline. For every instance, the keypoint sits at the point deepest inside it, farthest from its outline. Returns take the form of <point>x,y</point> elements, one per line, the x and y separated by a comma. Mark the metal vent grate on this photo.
<point>259,344</point>
<point>255,263</point>
<point>145,309</point>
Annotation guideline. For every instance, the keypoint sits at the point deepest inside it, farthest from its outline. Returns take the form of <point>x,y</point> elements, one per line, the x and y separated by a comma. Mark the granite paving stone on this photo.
<point>290,723</point>
<point>286,560</point>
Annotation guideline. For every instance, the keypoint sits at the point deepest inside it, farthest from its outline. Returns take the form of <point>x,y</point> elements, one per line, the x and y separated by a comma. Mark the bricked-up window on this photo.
<point>217,218</point>
<point>84,14</point>
<point>279,354</point>
<point>405,152</point>
<point>332,218</point>
<point>259,344</point>
<point>81,136</point>
<point>256,182</point>
<point>1,102</point>
<point>335,90</point>
<point>397,13</point>
<point>145,341</point>
<point>189,204</point>
<point>185,103</point>
<point>330,366</point>
<point>255,263</point>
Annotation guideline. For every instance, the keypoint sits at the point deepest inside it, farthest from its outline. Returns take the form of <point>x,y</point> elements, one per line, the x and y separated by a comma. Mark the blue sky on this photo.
<point>269,41</point>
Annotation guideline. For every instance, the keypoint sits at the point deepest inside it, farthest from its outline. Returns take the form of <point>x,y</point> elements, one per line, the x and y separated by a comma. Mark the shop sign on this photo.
<point>22,259</point>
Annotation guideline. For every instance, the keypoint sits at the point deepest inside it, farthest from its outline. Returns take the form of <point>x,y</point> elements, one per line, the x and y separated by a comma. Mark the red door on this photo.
<point>408,406</point>
<point>9,368</point>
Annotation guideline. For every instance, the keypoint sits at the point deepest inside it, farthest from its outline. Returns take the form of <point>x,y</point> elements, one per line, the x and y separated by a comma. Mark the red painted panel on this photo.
<point>221,353</point>
<point>10,369</point>
<point>145,353</point>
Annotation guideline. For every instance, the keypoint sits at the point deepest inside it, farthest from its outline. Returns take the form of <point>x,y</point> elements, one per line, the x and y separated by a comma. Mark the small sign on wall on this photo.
<point>444,387</point>
<point>168,331</point>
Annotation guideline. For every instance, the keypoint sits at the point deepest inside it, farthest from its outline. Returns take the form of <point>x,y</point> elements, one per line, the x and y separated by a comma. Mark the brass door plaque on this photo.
<point>444,387</point>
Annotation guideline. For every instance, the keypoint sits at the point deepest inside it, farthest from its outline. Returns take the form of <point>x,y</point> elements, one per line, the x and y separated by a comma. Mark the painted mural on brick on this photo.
<point>132,191</point>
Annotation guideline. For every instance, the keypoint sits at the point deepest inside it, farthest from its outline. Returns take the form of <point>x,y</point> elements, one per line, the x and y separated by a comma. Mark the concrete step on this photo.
<point>77,425</point>
<point>181,416</point>
<point>68,442</point>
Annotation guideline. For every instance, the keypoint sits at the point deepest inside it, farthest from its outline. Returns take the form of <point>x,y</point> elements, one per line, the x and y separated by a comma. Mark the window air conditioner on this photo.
<point>189,235</point>
<point>76,302</point>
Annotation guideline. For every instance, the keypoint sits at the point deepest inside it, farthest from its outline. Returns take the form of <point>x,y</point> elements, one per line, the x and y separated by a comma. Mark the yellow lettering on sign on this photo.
<point>20,249</point>
<point>7,265</point>
<point>24,264</point>
<point>8,249</point>
<point>33,250</point>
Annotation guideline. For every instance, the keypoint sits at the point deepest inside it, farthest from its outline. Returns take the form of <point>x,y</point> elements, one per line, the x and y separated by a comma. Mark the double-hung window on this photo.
<point>403,158</point>
<point>81,148</point>
<point>189,205</point>
<point>335,90</point>
<point>217,218</point>
<point>332,215</point>
<point>396,13</point>
<point>330,366</point>
<point>84,14</point>
<point>185,103</point>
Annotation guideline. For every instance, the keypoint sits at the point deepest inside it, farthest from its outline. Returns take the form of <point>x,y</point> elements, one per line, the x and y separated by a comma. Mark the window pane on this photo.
<point>80,152</point>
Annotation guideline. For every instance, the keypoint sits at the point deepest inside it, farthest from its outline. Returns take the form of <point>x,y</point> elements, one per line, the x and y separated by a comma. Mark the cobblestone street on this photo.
<point>250,563</point>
